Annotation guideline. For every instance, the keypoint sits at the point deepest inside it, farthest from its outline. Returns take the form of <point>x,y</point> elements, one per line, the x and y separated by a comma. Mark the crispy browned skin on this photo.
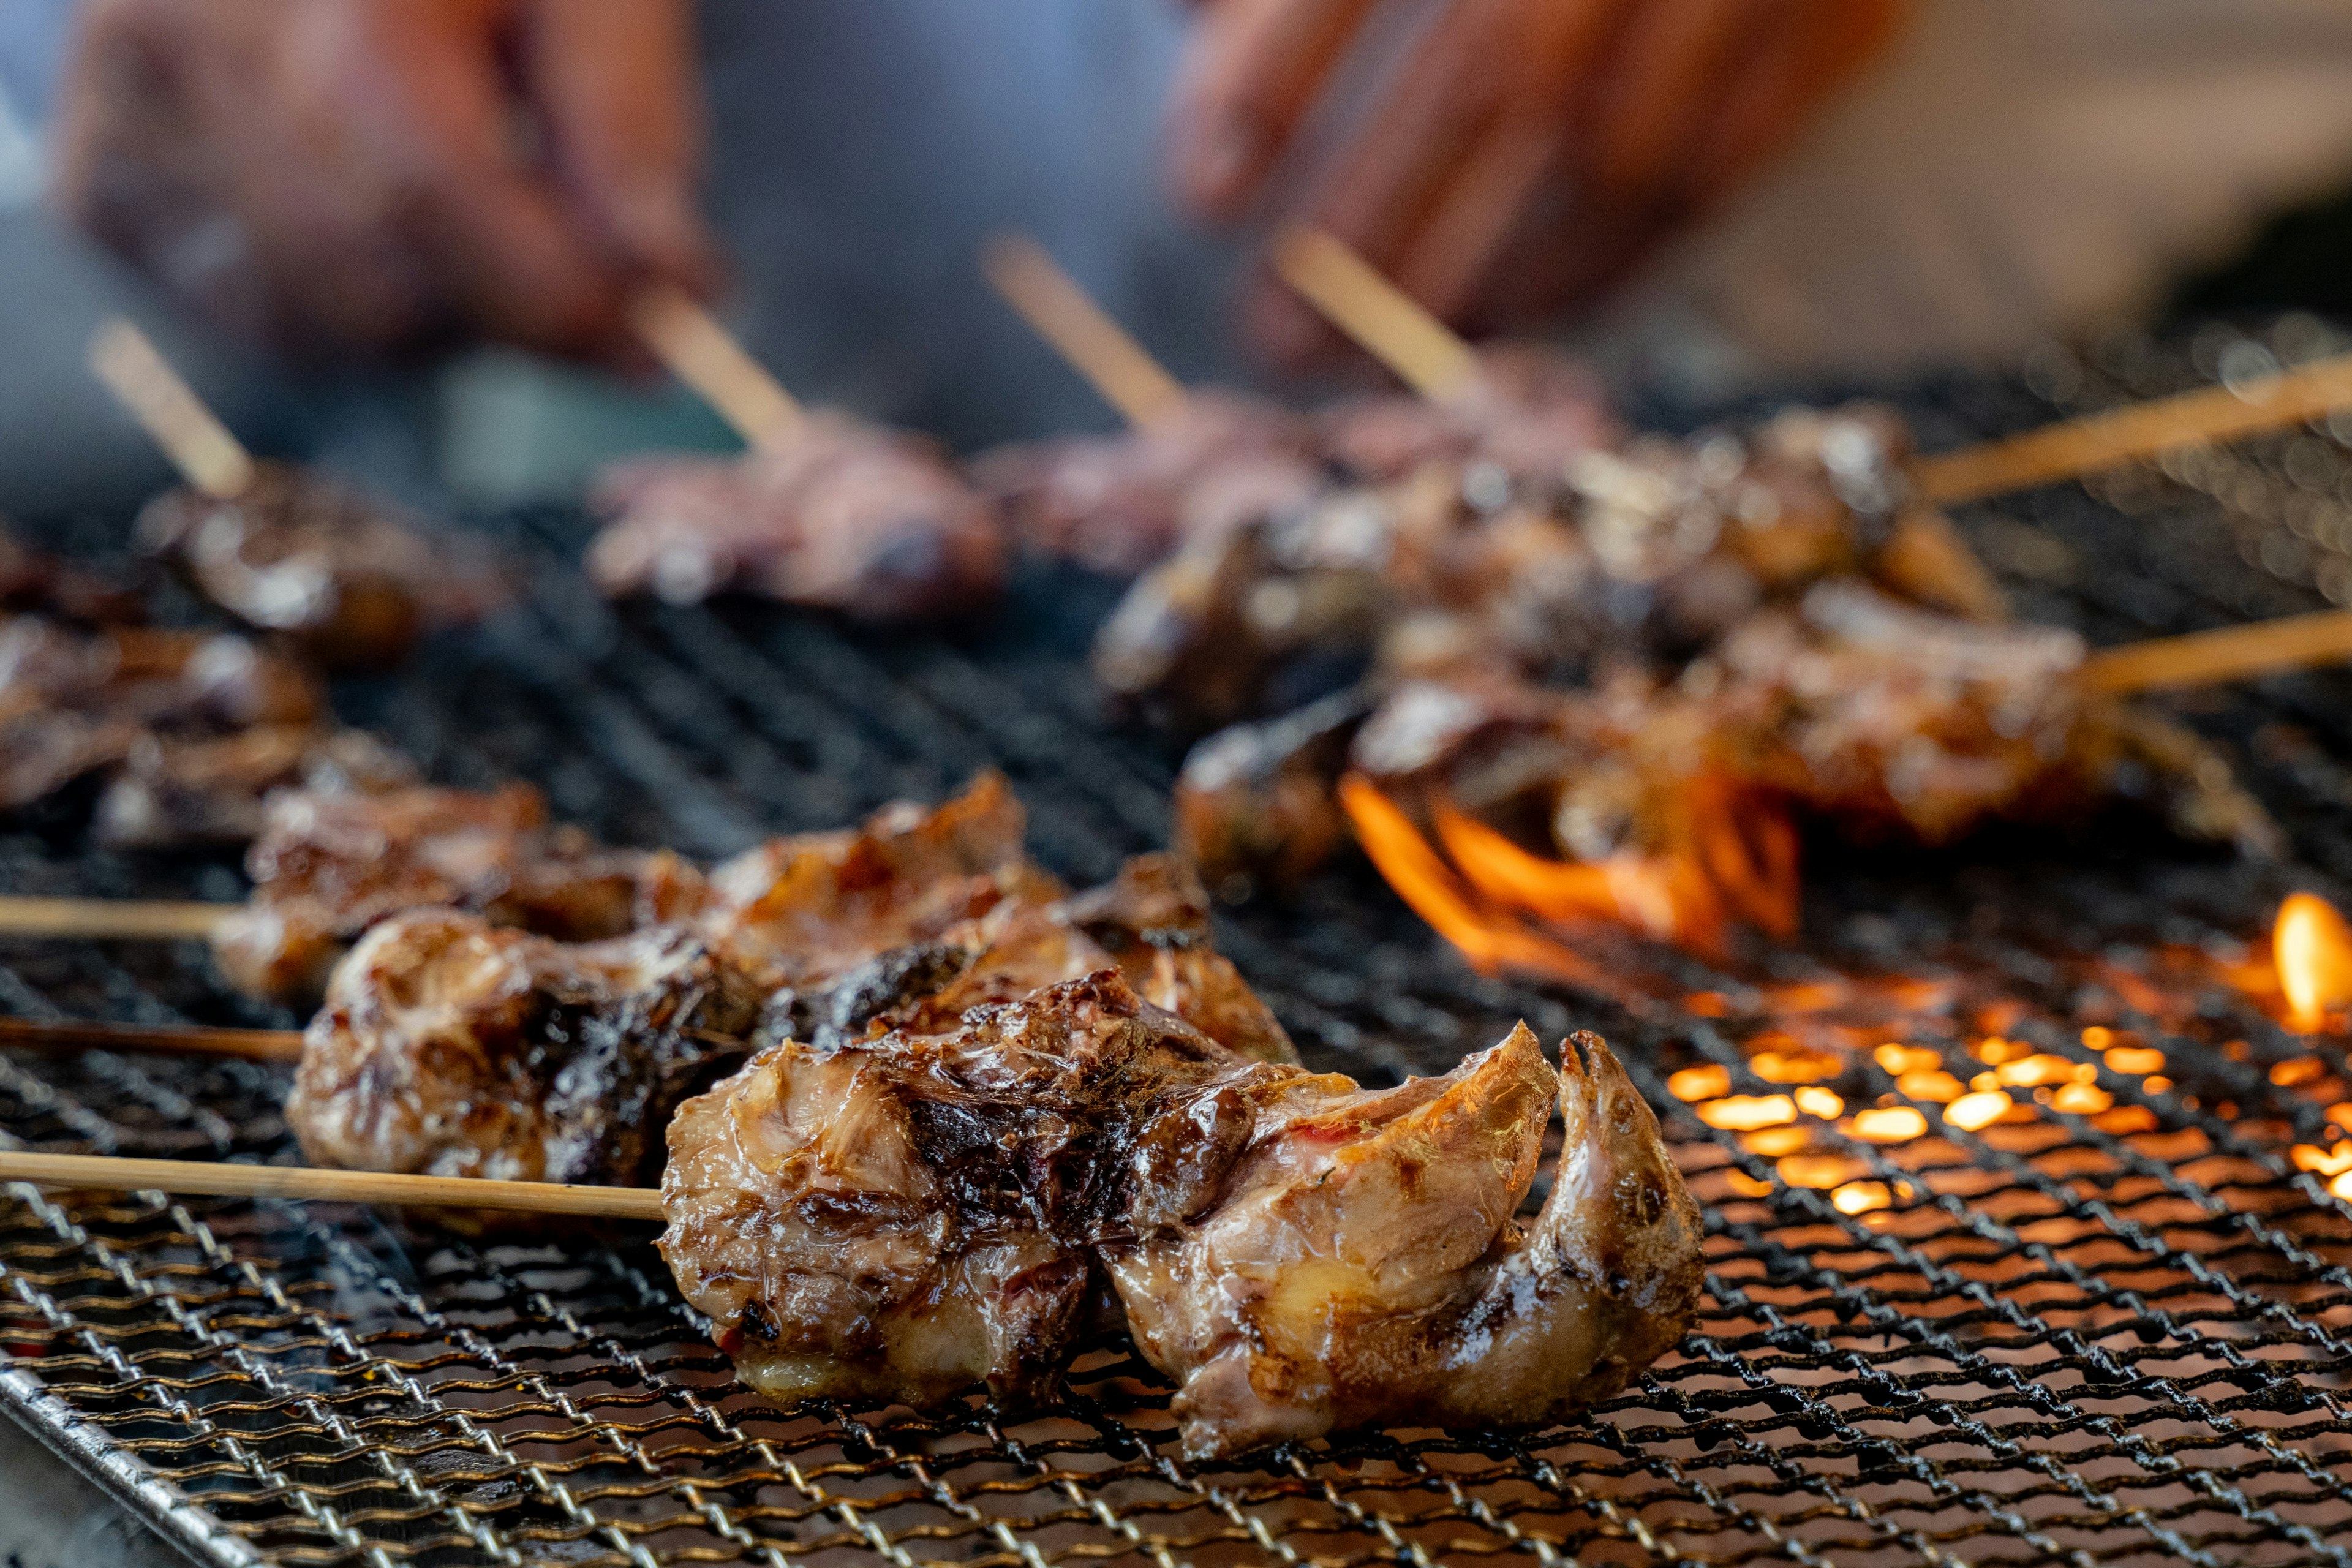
<point>847,516</point>
<point>898,1218</point>
<point>1152,920</point>
<point>74,701</point>
<point>352,579</point>
<point>1119,503</point>
<point>1648,551</point>
<point>327,866</point>
<point>173,792</point>
<point>1361,1264</point>
<point>1253,802</point>
<point>453,1047</point>
<point>918,915</point>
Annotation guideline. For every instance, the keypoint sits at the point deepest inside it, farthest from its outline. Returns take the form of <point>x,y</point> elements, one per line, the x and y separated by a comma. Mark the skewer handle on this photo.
<point>169,410</point>
<point>696,348</point>
<point>1097,347</point>
<point>109,1173</point>
<point>2232,652</point>
<point>2081,447</point>
<point>1384,320</point>
<point>249,1045</point>
<point>138,920</point>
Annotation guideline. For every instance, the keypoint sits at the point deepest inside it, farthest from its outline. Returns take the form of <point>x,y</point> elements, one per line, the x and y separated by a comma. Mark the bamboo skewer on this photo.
<point>2081,447</point>
<point>696,348</point>
<point>248,1045</point>
<point>1384,320</point>
<point>1121,369</point>
<point>169,410</point>
<point>2231,653</point>
<point>150,920</point>
<point>108,1173</point>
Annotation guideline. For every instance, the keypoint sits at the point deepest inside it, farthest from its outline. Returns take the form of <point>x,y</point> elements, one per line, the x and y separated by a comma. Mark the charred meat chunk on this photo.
<point>846,516</point>
<point>1361,1264</point>
<point>352,580</point>
<point>73,701</point>
<point>327,866</point>
<point>451,1046</point>
<point>902,1217</point>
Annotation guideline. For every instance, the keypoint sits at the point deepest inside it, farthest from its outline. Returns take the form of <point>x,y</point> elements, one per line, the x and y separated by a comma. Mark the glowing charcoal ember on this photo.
<point>2329,1162</point>
<point>1820,1172</point>
<point>1814,1100</point>
<point>1888,1124</point>
<point>1899,1059</point>
<point>1982,1109</point>
<point>1700,1082</point>
<point>2082,1099</point>
<point>2137,1060</point>
<point>1746,1112</point>
<point>1860,1197</point>
<point>1935,1087</point>
<point>1795,1067</point>
<point>2040,1072</point>
<point>1775,1143</point>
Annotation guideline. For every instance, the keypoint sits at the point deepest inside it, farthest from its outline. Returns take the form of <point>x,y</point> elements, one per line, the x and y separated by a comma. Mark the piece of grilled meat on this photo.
<point>172,791</point>
<point>921,914</point>
<point>74,701</point>
<point>903,1217</point>
<point>453,1047</point>
<point>846,516</point>
<point>1644,554</point>
<point>351,578</point>
<point>1361,1264</point>
<point>1117,503</point>
<point>330,865</point>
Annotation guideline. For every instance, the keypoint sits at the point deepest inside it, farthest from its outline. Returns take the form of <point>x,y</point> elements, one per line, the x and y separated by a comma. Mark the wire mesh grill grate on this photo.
<point>2108,1327</point>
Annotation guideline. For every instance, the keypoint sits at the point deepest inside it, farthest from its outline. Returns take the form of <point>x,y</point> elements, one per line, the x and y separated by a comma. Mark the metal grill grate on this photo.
<point>2110,1328</point>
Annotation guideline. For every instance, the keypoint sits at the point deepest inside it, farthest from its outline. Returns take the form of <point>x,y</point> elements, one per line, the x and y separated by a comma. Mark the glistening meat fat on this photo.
<point>900,1218</point>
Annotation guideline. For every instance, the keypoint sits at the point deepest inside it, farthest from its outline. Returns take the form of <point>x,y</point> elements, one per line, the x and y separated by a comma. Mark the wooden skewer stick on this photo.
<point>1384,320</point>
<point>109,1173</point>
<point>2078,447</point>
<point>137,920</point>
<point>696,348</point>
<point>2231,653</point>
<point>1097,347</point>
<point>191,434</point>
<point>249,1045</point>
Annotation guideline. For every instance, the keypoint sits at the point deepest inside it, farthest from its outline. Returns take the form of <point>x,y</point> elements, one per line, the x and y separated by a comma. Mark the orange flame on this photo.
<point>1488,940</point>
<point>2313,948</point>
<point>1662,897</point>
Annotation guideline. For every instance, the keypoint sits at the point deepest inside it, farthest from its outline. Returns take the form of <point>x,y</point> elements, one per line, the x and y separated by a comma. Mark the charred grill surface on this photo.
<point>2109,1328</point>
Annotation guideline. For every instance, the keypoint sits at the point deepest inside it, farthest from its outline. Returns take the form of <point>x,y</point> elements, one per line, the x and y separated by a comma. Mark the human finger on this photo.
<point>615,84</point>
<point>1252,71</point>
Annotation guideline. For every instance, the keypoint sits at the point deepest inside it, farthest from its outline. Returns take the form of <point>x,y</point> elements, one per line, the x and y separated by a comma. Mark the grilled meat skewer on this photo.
<point>845,516</point>
<point>900,1218</point>
<point>350,579</point>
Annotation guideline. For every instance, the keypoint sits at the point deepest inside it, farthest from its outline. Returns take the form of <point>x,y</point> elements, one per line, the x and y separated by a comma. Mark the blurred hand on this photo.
<point>1527,152</point>
<point>367,177</point>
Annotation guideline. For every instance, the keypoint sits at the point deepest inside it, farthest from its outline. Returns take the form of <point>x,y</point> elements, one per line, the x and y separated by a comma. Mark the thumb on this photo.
<point>616,85</point>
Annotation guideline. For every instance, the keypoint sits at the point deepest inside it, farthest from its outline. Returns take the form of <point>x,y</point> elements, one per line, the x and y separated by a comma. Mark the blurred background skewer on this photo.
<point>693,347</point>
<point>1383,320</point>
<point>207,456</point>
<point>1121,369</point>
